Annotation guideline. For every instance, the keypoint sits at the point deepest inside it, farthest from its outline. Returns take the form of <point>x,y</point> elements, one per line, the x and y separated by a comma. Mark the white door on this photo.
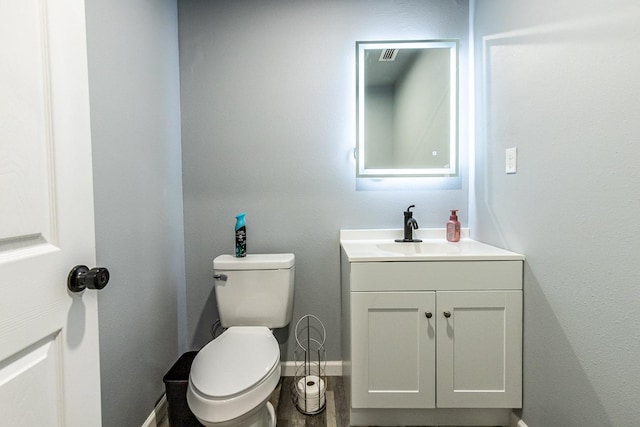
<point>393,349</point>
<point>479,349</point>
<point>49,367</point>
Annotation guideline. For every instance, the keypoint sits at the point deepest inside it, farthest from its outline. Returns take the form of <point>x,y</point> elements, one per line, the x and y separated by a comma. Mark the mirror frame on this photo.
<point>453,169</point>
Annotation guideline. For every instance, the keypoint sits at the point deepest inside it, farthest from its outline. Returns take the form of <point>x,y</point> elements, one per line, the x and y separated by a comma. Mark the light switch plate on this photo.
<point>511,160</point>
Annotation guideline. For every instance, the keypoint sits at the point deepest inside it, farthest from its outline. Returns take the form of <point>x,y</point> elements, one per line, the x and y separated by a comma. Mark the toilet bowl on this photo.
<point>233,376</point>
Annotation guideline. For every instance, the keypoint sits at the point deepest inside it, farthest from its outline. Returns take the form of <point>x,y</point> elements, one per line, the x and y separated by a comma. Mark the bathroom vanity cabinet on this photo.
<point>433,338</point>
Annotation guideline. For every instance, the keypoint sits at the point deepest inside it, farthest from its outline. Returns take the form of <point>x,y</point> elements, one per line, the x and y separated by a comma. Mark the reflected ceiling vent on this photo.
<point>388,55</point>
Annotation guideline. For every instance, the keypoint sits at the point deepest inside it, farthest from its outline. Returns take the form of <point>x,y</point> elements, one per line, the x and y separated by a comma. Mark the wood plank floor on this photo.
<point>335,414</point>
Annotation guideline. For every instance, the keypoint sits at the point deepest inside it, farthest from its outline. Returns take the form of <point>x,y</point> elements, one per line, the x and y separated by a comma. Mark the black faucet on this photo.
<point>409,225</point>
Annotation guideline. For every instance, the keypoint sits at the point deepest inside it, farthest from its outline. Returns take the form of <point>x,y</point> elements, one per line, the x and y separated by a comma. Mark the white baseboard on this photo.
<point>158,417</point>
<point>333,368</point>
<point>515,421</point>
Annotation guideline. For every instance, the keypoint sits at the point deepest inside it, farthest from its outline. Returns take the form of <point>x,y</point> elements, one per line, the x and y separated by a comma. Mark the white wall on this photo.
<point>135,123</point>
<point>559,81</point>
<point>268,127</point>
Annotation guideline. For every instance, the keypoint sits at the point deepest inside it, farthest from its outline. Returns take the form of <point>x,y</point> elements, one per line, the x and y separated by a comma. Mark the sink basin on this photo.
<point>379,245</point>
<point>424,248</point>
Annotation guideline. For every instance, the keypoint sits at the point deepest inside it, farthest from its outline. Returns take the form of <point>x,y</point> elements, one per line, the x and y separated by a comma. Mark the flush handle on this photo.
<point>222,277</point>
<point>81,278</point>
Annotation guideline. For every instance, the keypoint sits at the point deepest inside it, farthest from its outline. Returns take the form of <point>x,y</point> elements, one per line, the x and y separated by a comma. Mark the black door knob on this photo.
<point>81,278</point>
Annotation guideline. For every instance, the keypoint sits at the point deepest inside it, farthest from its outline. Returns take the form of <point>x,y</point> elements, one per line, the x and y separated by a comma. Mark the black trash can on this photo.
<point>176,382</point>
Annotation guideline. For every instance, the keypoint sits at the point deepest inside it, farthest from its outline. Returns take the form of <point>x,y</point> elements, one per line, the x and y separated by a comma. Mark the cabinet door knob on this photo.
<point>447,314</point>
<point>428,314</point>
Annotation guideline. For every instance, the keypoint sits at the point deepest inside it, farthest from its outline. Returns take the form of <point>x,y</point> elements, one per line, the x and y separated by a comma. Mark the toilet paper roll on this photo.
<point>311,390</point>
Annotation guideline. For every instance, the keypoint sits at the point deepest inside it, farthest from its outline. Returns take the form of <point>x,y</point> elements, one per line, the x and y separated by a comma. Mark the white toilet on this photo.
<point>234,375</point>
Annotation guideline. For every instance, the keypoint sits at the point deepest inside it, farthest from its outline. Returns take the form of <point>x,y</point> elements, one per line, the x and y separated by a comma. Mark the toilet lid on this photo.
<point>235,361</point>
<point>254,262</point>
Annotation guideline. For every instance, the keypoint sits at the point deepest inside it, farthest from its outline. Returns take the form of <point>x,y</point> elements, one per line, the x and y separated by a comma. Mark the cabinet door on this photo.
<point>393,349</point>
<point>479,349</point>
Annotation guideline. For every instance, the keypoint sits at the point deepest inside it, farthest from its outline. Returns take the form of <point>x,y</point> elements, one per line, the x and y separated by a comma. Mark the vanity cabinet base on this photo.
<point>432,342</point>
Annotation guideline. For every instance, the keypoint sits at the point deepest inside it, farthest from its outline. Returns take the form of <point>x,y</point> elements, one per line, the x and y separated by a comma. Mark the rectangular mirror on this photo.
<point>407,101</point>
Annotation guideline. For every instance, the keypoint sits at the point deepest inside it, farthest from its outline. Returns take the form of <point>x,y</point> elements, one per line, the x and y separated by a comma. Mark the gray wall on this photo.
<point>268,127</point>
<point>134,89</point>
<point>422,122</point>
<point>379,127</point>
<point>559,80</point>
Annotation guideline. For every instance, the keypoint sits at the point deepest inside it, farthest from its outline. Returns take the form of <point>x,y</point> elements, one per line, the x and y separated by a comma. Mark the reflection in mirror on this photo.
<point>407,116</point>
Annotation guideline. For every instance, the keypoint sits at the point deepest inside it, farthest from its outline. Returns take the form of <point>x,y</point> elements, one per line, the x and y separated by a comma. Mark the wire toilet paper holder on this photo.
<point>309,387</point>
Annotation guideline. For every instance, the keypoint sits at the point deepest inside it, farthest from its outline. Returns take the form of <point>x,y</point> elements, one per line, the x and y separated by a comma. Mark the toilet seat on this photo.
<point>234,374</point>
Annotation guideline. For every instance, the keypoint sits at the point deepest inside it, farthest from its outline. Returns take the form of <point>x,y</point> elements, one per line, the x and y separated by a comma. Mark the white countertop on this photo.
<point>379,245</point>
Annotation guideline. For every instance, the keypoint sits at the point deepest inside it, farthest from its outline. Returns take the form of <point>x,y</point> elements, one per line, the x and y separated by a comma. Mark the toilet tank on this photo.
<point>258,290</point>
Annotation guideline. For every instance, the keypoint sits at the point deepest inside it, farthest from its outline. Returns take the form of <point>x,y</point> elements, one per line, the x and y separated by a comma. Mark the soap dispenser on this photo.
<point>453,227</point>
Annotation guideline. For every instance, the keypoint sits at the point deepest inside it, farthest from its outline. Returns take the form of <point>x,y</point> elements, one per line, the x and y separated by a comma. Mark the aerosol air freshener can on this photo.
<point>241,236</point>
